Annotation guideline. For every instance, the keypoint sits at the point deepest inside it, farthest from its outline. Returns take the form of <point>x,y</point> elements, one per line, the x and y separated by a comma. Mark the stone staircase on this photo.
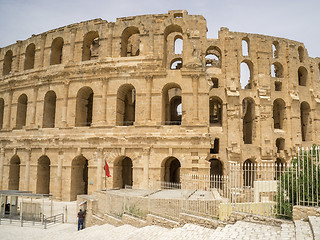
<point>240,230</point>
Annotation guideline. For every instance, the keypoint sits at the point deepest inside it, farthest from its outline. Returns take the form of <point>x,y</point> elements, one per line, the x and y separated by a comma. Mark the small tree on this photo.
<point>299,184</point>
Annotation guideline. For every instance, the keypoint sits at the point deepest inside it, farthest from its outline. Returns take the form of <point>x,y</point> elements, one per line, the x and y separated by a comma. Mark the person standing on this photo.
<point>80,219</point>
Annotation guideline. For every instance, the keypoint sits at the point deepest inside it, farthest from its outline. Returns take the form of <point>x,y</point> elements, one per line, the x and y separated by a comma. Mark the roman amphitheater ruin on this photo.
<point>155,98</point>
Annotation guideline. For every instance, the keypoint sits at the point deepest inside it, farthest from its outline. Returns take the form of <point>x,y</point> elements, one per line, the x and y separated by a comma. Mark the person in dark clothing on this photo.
<point>81,216</point>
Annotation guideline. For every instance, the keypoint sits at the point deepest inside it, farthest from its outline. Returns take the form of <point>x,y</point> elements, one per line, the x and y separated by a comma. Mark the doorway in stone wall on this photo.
<point>171,172</point>
<point>79,177</point>
<point>43,175</point>
<point>122,172</point>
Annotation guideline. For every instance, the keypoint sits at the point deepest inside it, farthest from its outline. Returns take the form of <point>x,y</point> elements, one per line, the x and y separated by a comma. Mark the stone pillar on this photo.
<point>8,117</point>
<point>149,80</point>
<point>146,158</point>
<point>109,40</point>
<point>1,167</point>
<point>16,67</point>
<point>34,107</point>
<point>65,105</point>
<point>195,83</point>
<point>104,112</point>
<point>59,175</point>
<point>27,171</point>
<point>43,45</point>
<point>72,45</point>
<point>99,157</point>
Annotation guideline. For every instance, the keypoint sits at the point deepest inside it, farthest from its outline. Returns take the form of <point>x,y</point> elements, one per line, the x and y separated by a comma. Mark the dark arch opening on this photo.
<point>123,172</point>
<point>216,173</point>
<point>43,175</point>
<point>29,57</point>
<point>1,112</point>
<point>248,107</point>
<point>7,63</point>
<point>84,107</point>
<point>56,51</point>
<point>171,100</point>
<point>22,111</point>
<point>49,110</point>
<point>79,177</point>
<point>90,49</point>
<point>130,42</point>
<point>171,172</point>
<point>14,173</point>
<point>126,105</point>
<point>248,173</point>
<point>306,122</point>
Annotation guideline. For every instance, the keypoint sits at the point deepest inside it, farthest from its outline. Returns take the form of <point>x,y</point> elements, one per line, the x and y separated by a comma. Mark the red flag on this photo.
<point>106,169</point>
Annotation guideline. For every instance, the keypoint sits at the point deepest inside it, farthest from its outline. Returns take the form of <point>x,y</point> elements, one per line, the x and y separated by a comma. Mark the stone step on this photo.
<point>303,230</point>
<point>315,226</point>
<point>120,233</point>
<point>148,232</point>
<point>287,231</point>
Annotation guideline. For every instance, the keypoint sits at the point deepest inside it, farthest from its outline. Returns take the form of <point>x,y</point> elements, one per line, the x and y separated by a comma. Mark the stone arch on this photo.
<point>280,144</point>
<point>275,49</point>
<point>213,57</point>
<point>302,76</point>
<point>43,175</point>
<point>306,122</point>
<point>216,173</point>
<point>178,44</point>
<point>215,109</point>
<point>49,110</point>
<point>122,172</point>
<point>248,108</point>
<point>130,42</point>
<point>29,56</point>
<point>84,107</point>
<point>90,49</point>
<point>22,107</point>
<point>171,33</point>
<point>279,167</point>
<point>170,170</point>
<point>7,63</point>
<point>245,46</point>
<point>171,99</point>
<point>279,108</point>
<point>126,105</point>
<point>176,64</point>
<point>246,74</point>
<point>301,53</point>
<point>79,177</point>
<point>277,70</point>
<point>249,172</point>
<point>56,51</point>
<point>1,112</point>
<point>14,173</point>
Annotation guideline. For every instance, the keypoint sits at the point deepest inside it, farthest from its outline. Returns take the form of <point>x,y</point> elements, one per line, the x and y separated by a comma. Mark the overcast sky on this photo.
<point>293,19</point>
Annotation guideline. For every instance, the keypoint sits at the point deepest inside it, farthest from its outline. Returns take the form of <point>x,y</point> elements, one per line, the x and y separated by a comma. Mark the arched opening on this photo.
<point>215,83</point>
<point>171,100</point>
<point>22,111</point>
<point>14,173</point>
<point>122,172</point>
<point>216,173</point>
<point>245,47</point>
<point>84,106</point>
<point>279,168</point>
<point>275,49</point>
<point>249,172</point>
<point>130,42</point>
<point>280,144</point>
<point>171,34</point>
<point>29,57</point>
<point>306,122</point>
<point>49,110</point>
<point>1,112</point>
<point>246,75</point>
<point>126,105</point>
<point>171,172</point>
<point>56,51</point>
<point>178,45</point>
<point>277,70</point>
<point>213,57</point>
<point>43,175</point>
<point>248,107</point>
<point>302,76</point>
<point>279,108</point>
<point>319,70</point>
<point>215,105</point>
<point>7,62</point>
<point>90,49</point>
<point>301,53</point>
<point>176,64</point>
<point>79,177</point>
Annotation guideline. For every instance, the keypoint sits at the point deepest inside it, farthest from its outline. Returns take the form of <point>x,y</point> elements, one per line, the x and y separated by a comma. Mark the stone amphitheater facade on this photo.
<point>128,93</point>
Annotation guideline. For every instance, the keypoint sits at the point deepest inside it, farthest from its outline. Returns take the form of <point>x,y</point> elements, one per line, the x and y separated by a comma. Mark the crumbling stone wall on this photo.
<point>99,90</point>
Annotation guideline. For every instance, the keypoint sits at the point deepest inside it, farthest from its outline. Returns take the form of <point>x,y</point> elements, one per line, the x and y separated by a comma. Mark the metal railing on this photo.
<point>59,218</point>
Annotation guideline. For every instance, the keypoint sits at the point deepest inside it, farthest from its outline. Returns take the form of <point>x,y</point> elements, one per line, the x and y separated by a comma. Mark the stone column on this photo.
<point>34,107</point>
<point>104,112</point>
<point>99,158</point>
<point>8,117</point>
<point>195,83</point>
<point>1,166</point>
<point>43,45</point>
<point>72,44</point>
<point>59,175</point>
<point>27,171</point>
<point>109,40</point>
<point>146,158</point>
<point>65,105</point>
<point>149,80</point>
<point>16,68</point>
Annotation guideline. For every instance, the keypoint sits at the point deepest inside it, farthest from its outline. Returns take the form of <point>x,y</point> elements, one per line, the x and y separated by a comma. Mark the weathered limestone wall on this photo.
<point>101,99</point>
